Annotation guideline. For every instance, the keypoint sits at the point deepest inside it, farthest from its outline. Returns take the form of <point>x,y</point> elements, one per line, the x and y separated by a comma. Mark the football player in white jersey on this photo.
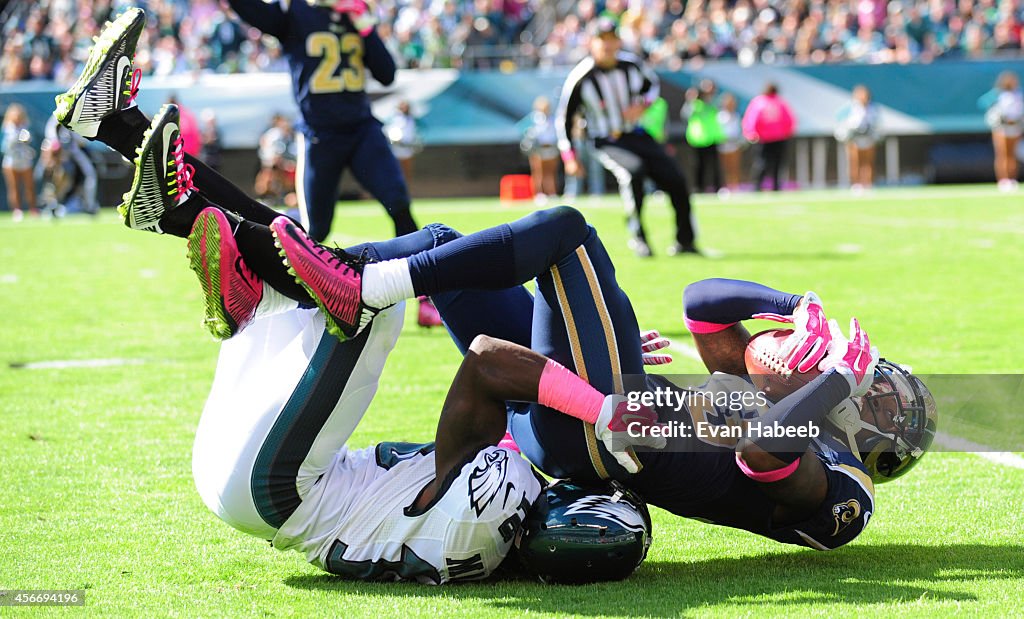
<point>270,455</point>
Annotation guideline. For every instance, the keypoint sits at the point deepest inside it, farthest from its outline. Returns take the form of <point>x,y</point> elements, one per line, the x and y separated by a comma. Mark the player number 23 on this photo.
<point>330,48</point>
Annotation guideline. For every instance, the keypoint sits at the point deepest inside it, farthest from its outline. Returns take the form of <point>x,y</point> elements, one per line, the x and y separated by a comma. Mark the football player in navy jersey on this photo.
<point>330,47</point>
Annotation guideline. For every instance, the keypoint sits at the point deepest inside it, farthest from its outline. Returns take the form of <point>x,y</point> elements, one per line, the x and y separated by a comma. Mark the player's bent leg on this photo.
<point>505,314</point>
<point>500,257</point>
<point>285,399</point>
<point>583,320</point>
<point>322,158</point>
<point>375,167</point>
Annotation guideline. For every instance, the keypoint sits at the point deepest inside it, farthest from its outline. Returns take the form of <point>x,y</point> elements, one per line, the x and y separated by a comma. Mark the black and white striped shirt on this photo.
<point>601,95</point>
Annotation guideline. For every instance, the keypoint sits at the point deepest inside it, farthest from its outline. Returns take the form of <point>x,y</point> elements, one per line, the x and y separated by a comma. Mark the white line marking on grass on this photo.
<point>75,363</point>
<point>955,443</point>
<point>8,278</point>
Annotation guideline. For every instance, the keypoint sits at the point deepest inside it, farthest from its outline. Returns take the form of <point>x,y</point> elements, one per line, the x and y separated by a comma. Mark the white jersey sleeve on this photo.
<point>360,521</point>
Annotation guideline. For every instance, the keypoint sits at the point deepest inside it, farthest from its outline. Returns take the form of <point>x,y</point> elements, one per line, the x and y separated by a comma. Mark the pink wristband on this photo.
<point>565,392</point>
<point>699,326</point>
<point>767,476</point>
<point>568,155</point>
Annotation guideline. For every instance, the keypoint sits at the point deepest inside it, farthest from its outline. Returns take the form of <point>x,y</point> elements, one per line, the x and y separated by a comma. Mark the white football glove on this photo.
<point>620,429</point>
<point>855,358</point>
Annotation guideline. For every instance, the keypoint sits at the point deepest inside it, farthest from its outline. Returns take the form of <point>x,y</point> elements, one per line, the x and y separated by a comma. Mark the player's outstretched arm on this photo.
<point>269,17</point>
<point>378,59</point>
<point>713,310</point>
<point>494,372</point>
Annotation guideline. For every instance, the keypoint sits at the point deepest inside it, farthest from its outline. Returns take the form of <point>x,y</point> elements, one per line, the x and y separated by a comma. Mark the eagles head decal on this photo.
<point>487,480</point>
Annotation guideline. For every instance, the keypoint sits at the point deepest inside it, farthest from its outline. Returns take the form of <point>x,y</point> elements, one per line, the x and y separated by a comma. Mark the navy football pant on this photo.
<point>580,317</point>
<point>324,155</point>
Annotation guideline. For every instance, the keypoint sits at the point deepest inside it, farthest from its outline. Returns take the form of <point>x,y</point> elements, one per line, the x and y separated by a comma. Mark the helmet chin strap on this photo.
<point>847,418</point>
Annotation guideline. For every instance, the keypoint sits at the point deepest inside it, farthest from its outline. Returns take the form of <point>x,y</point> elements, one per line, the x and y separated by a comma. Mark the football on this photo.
<point>767,368</point>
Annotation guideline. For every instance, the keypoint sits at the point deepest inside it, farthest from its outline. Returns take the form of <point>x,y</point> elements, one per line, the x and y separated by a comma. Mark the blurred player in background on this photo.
<point>704,134</point>
<point>67,146</point>
<point>612,91</point>
<point>329,46</point>
<point>730,151</point>
<point>276,178</point>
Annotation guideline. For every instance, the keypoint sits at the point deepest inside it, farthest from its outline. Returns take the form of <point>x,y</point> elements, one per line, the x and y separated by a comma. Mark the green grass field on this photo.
<point>95,461</point>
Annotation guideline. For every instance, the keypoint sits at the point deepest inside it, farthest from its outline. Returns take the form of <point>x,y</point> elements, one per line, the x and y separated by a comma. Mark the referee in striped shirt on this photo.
<point>611,90</point>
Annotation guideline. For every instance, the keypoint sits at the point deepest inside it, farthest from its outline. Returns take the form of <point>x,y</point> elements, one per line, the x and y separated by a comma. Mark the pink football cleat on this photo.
<point>428,315</point>
<point>332,278</point>
<point>231,289</point>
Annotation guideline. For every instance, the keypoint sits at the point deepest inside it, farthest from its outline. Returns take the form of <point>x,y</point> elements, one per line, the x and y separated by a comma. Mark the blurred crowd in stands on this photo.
<point>49,39</point>
<point>671,32</point>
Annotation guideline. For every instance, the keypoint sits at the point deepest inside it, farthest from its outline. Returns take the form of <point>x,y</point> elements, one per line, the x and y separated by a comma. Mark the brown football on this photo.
<point>767,369</point>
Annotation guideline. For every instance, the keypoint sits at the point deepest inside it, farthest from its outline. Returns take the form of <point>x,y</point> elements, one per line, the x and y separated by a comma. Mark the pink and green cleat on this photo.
<point>331,277</point>
<point>232,291</point>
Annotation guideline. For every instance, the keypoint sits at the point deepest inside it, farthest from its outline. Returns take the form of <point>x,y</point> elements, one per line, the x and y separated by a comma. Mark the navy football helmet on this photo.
<point>576,535</point>
<point>892,426</point>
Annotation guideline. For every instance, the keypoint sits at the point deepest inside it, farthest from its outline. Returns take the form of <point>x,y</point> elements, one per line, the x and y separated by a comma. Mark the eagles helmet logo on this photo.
<point>486,481</point>
<point>620,512</point>
<point>845,513</point>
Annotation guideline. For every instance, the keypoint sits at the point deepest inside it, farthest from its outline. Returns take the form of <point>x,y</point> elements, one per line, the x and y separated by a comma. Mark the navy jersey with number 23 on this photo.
<point>327,58</point>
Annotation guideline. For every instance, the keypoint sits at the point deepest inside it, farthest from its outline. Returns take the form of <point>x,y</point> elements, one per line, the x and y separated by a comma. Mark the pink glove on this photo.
<point>620,429</point>
<point>651,341</point>
<point>362,16</point>
<point>808,344</point>
<point>855,359</point>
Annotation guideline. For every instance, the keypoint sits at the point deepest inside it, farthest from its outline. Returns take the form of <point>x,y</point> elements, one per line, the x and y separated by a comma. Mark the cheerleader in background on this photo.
<point>1004,113</point>
<point>858,128</point>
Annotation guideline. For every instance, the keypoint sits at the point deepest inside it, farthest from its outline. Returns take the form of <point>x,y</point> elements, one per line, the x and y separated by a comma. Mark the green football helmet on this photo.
<point>576,535</point>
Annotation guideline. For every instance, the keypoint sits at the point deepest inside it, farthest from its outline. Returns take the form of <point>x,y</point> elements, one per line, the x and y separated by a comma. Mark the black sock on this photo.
<point>178,221</point>
<point>123,131</point>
